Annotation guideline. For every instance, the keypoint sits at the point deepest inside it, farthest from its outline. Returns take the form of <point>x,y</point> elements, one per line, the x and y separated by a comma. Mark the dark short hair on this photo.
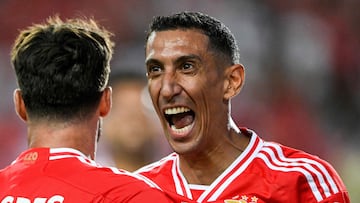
<point>220,37</point>
<point>62,67</point>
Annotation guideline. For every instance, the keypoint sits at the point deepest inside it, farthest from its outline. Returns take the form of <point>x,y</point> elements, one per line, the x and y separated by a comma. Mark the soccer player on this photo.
<point>193,70</point>
<point>62,69</point>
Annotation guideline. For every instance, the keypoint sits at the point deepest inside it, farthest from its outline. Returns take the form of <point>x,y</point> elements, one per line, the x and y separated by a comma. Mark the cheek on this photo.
<point>210,99</point>
<point>207,90</point>
<point>154,91</point>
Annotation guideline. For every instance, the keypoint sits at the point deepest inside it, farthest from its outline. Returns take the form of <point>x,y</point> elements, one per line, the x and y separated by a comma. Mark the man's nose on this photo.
<point>170,86</point>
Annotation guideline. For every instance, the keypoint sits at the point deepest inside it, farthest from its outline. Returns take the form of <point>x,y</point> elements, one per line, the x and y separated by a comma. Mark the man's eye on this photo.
<point>187,66</point>
<point>153,70</point>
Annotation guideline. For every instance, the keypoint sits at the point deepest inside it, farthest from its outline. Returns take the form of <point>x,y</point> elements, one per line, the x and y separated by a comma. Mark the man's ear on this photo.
<point>235,78</point>
<point>105,102</point>
<point>20,105</point>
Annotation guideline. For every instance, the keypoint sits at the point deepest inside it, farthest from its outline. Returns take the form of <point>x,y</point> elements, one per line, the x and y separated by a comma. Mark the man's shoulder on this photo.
<point>162,166</point>
<point>301,169</point>
<point>81,172</point>
<point>285,154</point>
<point>73,177</point>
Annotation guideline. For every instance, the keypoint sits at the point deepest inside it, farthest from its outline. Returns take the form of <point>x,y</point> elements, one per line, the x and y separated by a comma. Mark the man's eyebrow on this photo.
<point>178,60</point>
<point>188,57</point>
<point>151,60</point>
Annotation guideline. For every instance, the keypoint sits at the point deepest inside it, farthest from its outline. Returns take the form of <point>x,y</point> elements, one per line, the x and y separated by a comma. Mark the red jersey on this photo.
<point>264,172</point>
<point>61,175</point>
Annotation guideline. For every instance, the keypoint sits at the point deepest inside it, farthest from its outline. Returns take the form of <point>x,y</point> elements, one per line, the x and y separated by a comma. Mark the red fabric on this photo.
<point>264,172</point>
<point>66,175</point>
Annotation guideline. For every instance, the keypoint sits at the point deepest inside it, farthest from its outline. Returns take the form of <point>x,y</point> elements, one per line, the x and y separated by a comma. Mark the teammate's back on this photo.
<point>66,175</point>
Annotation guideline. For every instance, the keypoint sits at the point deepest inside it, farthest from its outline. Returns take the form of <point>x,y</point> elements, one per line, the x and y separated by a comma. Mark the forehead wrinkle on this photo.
<point>175,48</point>
<point>169,43</point>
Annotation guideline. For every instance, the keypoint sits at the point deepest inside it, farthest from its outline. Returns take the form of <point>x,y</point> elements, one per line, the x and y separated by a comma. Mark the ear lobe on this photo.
<point>20,105</point>
<point>105,102</point>
<point>235,80</point>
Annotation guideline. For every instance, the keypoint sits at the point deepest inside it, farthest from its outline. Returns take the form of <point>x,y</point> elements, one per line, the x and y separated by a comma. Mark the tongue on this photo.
<point>181,120</point>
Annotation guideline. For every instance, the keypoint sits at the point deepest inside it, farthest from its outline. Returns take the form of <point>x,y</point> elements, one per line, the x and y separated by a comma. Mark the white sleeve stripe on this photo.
<point>305,165</point>
<point>298,169</point>
<point>282,157</point>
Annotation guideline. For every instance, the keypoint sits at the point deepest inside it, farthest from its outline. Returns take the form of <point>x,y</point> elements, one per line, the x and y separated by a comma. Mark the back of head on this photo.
<point>222,41</point>
<point>62,67</point>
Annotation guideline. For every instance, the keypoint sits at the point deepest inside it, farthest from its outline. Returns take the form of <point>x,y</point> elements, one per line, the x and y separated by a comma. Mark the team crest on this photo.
<point>242,199</point>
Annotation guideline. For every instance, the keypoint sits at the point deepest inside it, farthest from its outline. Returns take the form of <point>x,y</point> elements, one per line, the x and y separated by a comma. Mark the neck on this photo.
<point>80,136</point>
<point>203,168</point>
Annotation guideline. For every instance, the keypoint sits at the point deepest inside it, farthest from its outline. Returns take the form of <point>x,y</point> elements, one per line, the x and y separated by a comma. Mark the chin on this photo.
<point>183,148</point>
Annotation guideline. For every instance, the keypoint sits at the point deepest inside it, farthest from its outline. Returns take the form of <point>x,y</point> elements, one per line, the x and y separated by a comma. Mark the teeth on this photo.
<point>176,110</point>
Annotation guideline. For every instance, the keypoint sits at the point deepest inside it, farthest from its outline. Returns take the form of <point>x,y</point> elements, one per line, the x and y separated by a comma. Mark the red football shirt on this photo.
<point>60,175</point>
<point>264,172</point>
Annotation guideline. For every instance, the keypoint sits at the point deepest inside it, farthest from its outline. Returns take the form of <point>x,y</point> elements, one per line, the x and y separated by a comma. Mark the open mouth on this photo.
<point>180,119</point>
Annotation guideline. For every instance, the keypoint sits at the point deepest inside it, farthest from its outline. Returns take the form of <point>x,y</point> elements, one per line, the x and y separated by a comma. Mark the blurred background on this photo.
<point>302,61</point>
